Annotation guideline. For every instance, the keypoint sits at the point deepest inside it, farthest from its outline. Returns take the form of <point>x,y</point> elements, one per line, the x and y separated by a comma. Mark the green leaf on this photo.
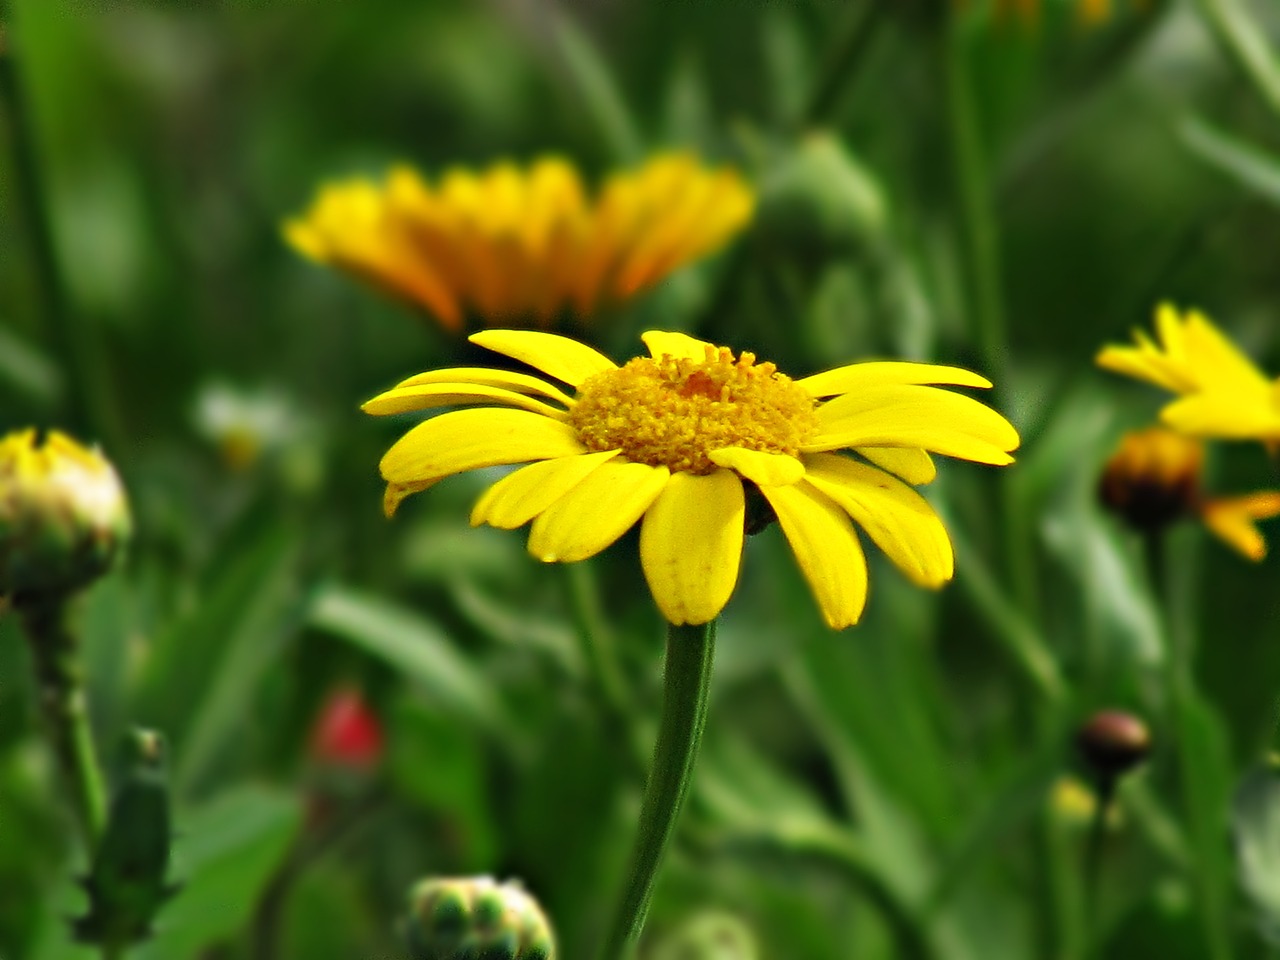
<point>1256,822</point>
<point>226,852</point>
<point>1249,165</point>
<point>254,642</point>
<point>28,371</point>
<point>410,643</point>
<point>594,83</point>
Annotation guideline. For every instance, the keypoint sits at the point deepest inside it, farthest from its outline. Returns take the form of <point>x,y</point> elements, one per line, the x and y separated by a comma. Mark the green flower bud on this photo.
<point>63,515</point>
<point>711,935</point>
<point>476,918</point>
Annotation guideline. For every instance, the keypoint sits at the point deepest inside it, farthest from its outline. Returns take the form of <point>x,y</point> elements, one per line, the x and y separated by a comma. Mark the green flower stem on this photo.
<point>90,404</point>
<point>1245,43</point>
<point>1203,816</point>
<point>55,655</point>
<point>686,684</point>
<point>848,50</point>
<point>981,248</point>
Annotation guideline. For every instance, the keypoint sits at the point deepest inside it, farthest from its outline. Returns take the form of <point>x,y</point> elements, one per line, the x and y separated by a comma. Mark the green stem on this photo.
<point>596,637</point>
<point>90,404</point>
<point>980,240</point>
<point>686,684</point>
<point>1104,793</point>
<point>1245,43</point>
<point>848,50</point>
<point>55,655</point>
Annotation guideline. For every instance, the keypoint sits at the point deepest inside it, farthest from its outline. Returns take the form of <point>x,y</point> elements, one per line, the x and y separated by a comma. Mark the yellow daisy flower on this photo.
<point>1154,479</point>
<point>1223,393</point>
<point>523,246</point>
<point>669,440</point>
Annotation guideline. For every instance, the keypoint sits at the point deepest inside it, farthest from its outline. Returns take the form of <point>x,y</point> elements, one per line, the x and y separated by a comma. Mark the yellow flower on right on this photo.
<point>1221,392</point>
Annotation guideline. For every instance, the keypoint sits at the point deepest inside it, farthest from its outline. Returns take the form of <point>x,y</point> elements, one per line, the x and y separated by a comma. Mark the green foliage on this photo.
<point>888,792</point>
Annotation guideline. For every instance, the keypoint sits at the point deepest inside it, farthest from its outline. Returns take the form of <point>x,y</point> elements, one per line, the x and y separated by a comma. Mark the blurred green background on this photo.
<point>886,792</point>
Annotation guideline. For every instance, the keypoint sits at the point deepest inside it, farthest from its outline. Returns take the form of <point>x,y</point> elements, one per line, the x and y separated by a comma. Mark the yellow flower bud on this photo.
<point>63,515</point>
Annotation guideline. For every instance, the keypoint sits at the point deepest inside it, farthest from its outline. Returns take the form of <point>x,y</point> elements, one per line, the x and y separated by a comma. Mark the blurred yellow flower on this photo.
<point>1223,393</point>
<point>1154,479</point>
<point>672,437</point>
<point>523,246</point>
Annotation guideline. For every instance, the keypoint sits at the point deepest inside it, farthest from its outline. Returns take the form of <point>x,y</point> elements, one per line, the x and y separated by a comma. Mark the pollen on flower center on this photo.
<point>674,412</point>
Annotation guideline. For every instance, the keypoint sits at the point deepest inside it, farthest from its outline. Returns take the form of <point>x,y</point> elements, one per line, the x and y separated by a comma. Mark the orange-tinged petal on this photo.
<point>898,519</point>
<point>827,549</point>
<point>691,545</point>
<point>466,439</point>
<point>520,496</point>
<point>567,360</point>
<point>595,512</point>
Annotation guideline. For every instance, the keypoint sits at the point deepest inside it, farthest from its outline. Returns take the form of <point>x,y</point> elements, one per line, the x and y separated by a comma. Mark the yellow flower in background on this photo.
<point>1154,479</point>
<point>523,246</point>
<point>670,440</point>
<point>1223,393</point>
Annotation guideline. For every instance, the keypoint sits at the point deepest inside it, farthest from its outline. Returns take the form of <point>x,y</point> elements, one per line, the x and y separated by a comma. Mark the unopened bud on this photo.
<point>1153,478</point>
<point>346,733</point>
<point>63,515</point>
<point>1113,742</point>
<point>476,918</point>
<point>712,935</point>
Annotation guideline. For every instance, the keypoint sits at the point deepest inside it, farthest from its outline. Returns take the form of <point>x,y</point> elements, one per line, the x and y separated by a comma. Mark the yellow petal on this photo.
<point>467,439</point>
<point>898,519</point>
<point>827,549</point>
<point>1231,519</point>
<point>519,497</point>
<point>1231,416</point>
<point>1222,362</point>
<point>396,492</point>
<point>911,464</point>
<point>1143,365</point>
<point>595,512</point>
<point>567,360</point>
<point>519,382</point>
<point>881,373</point>
<point>915,416</point>
<point>691,545</point>
<point>678,345</point>
<point>428,396</point>
<point>759,467</point>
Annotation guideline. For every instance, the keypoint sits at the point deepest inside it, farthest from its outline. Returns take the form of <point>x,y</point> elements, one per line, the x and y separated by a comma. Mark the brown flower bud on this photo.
<point>1113,742</point>
<point>1153,478</point>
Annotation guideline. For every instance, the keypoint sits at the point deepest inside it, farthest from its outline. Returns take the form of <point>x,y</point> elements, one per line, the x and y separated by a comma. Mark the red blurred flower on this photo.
<point>346,732</point>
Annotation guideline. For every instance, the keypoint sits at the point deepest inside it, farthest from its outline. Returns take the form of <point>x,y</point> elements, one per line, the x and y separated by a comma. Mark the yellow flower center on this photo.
<point>674,412</point>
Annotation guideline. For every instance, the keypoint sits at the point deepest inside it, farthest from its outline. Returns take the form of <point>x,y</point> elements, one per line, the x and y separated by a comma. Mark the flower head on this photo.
<point>1154,479</point>
<point>1222,392</point>
<point>678,438</point>
<point>466,918</point>
<point>63,515</point>
<point>523,246</point>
